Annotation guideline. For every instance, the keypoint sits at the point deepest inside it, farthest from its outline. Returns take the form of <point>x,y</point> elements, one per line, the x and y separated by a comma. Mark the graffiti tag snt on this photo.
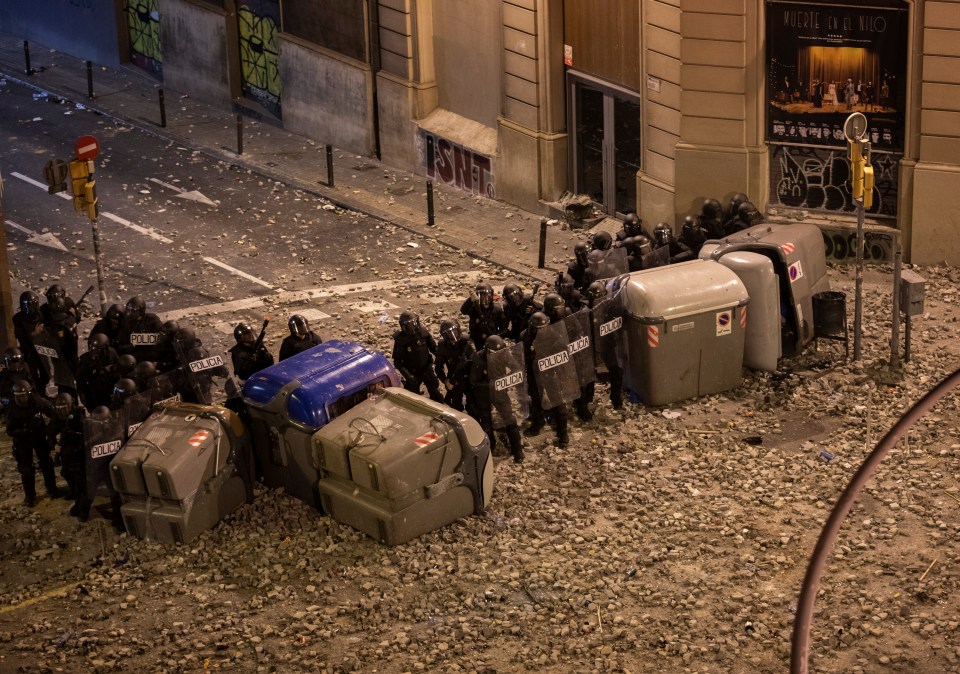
<point>458,166</point>
<point>820,179</point>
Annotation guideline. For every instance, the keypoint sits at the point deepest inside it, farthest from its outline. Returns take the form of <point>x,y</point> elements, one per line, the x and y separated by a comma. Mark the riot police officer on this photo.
<point>606,345</point>
<point>452,364</point>
<point>141,330</point>
<point>14,369</point>
<point>484,401</point>
<point>566,288</point>
<point>538,414</point>
<point>747,216</point>
<point>692,235</point>
<point>578,267</point>
<point>731,224</point>
<point>663,238</point>
<point>413,352</point>
<point>59,317</point>
<point>711,219</point>
<point>26,426</point>
<point>110,324</point>
<point>249,355</point>
<point>518,306</point>
<point>555,307</point>
<point>486,315</point>
<point>97,372</point>
<point>632,226</point>
<point>601,241</point>
<point>300,339</point>
<point>27,324</point>
<point>165,353</point>
<point>66,430</point>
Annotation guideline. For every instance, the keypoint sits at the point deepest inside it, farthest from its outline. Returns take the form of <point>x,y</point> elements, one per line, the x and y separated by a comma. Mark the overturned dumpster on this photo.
<point>399,465</point>
<point>184,469</point>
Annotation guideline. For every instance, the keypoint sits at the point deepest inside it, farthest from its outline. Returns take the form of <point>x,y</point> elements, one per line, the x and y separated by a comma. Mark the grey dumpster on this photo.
<point>762,345</point>
<point>685,326</point>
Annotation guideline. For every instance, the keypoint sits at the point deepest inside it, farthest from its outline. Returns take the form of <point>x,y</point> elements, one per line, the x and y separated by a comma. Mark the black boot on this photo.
<point>560,422</point>
<point>516,444</point>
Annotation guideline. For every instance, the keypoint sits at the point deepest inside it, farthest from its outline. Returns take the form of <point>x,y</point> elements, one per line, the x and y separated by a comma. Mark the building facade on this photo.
<point>646,105</point>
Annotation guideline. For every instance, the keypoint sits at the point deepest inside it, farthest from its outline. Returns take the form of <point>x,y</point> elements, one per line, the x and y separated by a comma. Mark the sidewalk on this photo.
<point>483,228</point>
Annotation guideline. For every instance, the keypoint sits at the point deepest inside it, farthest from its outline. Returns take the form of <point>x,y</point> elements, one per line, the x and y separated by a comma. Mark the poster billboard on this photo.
<point>825,61</point>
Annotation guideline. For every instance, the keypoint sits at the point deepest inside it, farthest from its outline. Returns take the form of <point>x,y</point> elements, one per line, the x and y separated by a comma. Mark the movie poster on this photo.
<point>826,61</point>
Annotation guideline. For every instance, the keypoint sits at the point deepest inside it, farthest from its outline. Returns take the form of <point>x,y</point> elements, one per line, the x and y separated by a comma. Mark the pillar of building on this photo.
<point>532,163</point>
<point>721,149</point>
<point>930,177</point>
<point>406,82</point>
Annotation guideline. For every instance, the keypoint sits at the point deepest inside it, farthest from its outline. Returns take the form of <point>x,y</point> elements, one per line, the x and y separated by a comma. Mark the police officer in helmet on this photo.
<point>27,324</point>
<point>26,427</point>
<point>538,414</point>
<point>413,351</point>
<point>300,339</point>
<point>518,306</point>
<point>484,400</point>
<point>452,364</point>
<point>249,355</point>
<point>486,316</point>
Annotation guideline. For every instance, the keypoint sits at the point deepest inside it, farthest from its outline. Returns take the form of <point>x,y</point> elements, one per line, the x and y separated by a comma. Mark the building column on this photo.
<point>721,149</point>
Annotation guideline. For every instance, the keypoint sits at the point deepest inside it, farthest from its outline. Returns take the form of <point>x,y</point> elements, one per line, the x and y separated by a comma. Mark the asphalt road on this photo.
<point>204,241</point>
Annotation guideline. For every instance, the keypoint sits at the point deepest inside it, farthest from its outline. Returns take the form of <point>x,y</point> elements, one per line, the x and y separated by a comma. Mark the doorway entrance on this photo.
<point>605,152</point>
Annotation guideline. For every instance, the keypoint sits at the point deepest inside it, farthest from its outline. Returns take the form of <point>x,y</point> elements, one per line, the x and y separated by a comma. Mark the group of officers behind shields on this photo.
<point>522,358</point>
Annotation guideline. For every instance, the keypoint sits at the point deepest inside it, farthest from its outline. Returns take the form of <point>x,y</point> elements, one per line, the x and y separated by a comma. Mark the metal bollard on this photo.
<point>431,220</point>
<point>541,258</point>
<point>329,166</point>
<point>239,133</point>
<point>895,336</point>
<point>89,79</point>
<point>163,110</point>
<point>26,58</point>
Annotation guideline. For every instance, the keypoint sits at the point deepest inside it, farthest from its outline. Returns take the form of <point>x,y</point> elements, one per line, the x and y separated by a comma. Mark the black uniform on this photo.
<point>518,316</point>
<point>292,345</point>
<point>26,426</point>
<point>248,360</point>
<point>96,375</point>
<point>452,366</point>
<point>25,327</point>
<point>483,406</point>
<point>200,384</point>
<point>61,322</point>
<point>67,432</point>
<point>538,415</point>
<point>150,327</point>
<point>578,272</point>
<point>110,325</point>
<point>484,321</point>
<point>413,357</point>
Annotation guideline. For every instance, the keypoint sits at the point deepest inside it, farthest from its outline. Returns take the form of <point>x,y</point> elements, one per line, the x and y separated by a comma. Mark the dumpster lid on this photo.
<point>683,289</point>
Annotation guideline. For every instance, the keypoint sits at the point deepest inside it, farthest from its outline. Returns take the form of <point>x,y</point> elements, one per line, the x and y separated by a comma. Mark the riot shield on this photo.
<point>135,411</point>
<point>203,373</point>
<point>163,387</point>
<point>580,346</point>
<point>659,257</point>
<point>609,336</point>
<point>604,264</point>
<point>50,351</point>
<point>508,386</point>
<point>553,367</point>
<point>102,439</point>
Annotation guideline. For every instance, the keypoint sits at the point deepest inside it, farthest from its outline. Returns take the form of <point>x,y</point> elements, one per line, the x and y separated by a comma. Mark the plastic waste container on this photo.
<point>399,465</point>
<point>762,346</point>
<point>685,326</point>
<point>287,402</point>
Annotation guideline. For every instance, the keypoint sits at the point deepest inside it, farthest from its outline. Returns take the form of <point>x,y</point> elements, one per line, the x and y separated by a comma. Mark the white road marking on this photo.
<point>110,216</point>
<point>234,270</point>
<point>294,296</point>
<point>192,195</point>
<point>312,314</point>
<point>48,239</point>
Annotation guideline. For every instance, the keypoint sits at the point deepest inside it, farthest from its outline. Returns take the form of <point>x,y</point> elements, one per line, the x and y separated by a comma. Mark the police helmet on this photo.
<point>734,206</point>
<point>513,294</point>
<point>748,213</point>
<point>552,304</point>
<point>29,303</point>
<point>485,294</point>
<point>565,284</point>
<point>123,389</point>
<point>13,359</point>
<point>63,404</point>
<point>539,320</point>
<point>145,371</point>
<point>580,251</point>
<point>632,224</point>
<point>114,315</point>
<point>169,329</point>
<point>662,234</point>
<point>409,322</point>
<point>56,296</point>
<point>450,331</point>
<point>299,327</point>
<point>22,391</point>
<point>494,343</point>
<point>98,342</point>
<point>602,240</point>
<point>136,309</point>
<point>711,209</point>
<point>597,290</point>
<point>126,364</point>
<point>243,333</point>
<point>101,413</point>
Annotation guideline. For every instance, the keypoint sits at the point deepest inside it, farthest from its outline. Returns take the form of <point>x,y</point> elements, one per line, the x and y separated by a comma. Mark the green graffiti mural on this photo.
<point>258,22</point>
<point>143,24</point>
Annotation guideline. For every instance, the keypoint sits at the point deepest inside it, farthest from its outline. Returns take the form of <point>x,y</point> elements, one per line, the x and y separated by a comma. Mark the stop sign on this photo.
<point>87,148</point>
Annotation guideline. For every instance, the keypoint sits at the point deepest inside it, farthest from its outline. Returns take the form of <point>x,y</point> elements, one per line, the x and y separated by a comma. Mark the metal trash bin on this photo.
<point>830,317</point>
<point>287,402</point>
<point>399,465</point>
<point>800,261</point>
<point>685,325</point>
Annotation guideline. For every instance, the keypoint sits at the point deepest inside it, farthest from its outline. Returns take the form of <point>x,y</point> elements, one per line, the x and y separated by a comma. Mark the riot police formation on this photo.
<point>452,364</point>
<point>486,316</point>
<point>414,349</point>
<point>249,355</point>
<point>518,306</point>
<point>300,339</point>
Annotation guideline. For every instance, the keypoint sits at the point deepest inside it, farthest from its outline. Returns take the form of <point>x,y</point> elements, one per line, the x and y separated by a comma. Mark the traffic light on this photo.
<point>867,187</point>
<point>79,176</point>
<point>90,199</point>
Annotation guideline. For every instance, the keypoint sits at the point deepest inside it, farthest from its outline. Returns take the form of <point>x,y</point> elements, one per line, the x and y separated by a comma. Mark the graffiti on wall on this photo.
<point>456,165</point>
<point>879,244</point>
<point>143,24</point>
<point>819,179</point>
<point>258,22</point>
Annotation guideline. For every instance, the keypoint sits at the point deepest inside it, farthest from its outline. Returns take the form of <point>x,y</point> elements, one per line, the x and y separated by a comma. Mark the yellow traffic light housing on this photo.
<point>90,199</point>
<point>79,176</point>
<point>867,187</point>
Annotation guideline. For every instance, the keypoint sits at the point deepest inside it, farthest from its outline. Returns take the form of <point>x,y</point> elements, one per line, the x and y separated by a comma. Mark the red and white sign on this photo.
<point>87,148</point>
<point>653,336</point>
<point>198,438</point>
<point>426,439</point>
<point>743,318</point>
<point>724,326</point>
<point>795,271</point>
<point>788,248</point>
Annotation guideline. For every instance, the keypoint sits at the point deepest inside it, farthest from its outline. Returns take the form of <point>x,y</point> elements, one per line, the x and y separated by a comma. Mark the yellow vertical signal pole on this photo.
<point>855,129</point>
